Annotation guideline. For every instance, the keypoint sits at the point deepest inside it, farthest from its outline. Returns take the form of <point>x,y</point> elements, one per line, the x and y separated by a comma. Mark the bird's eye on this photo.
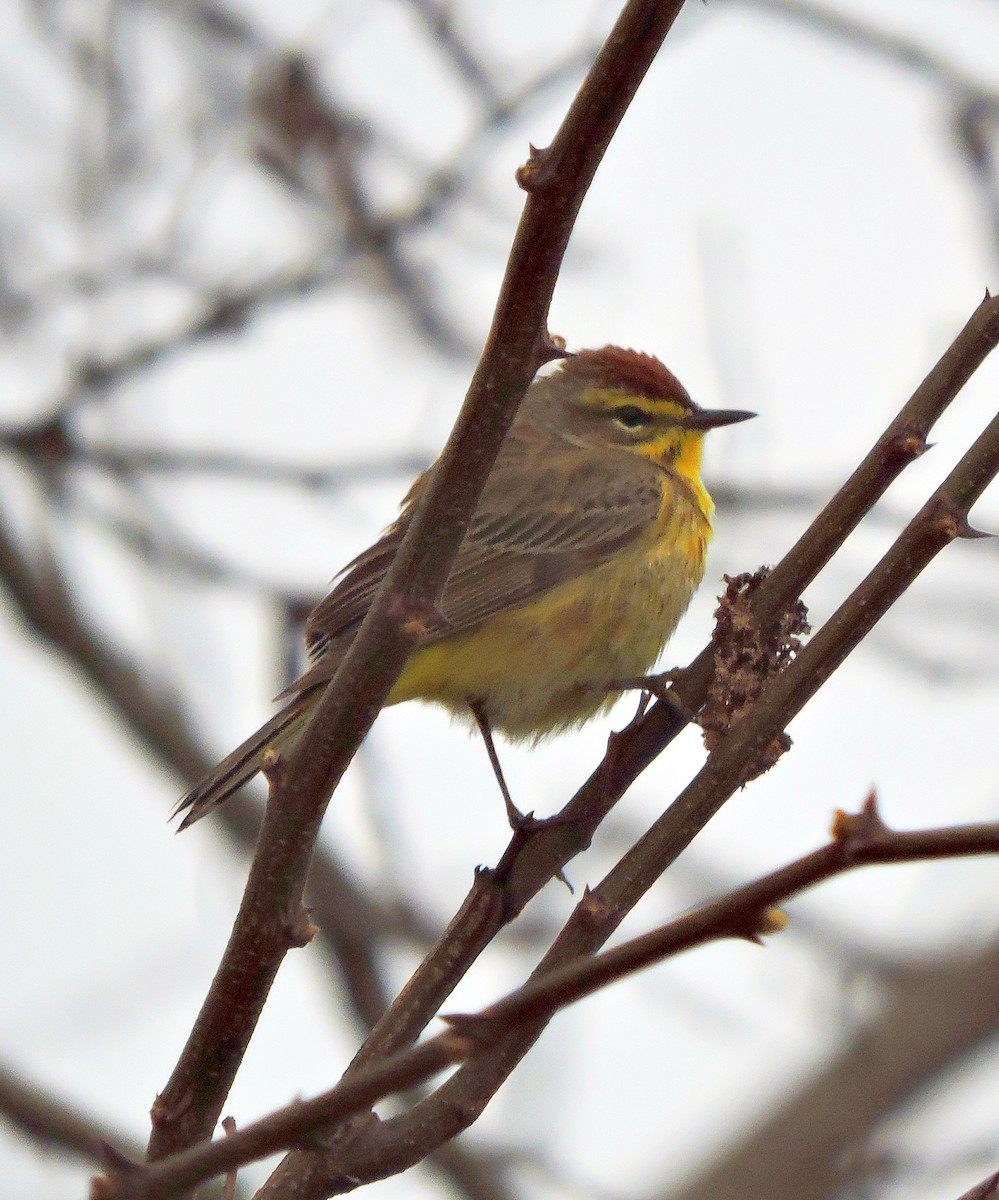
<point>630,416</point>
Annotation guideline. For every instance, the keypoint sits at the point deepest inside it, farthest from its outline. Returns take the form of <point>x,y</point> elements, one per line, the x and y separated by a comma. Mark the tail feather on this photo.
<point>244,762</point>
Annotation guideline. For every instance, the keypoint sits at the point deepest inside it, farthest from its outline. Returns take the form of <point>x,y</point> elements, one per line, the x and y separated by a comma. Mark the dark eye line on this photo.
<point>631,416</point>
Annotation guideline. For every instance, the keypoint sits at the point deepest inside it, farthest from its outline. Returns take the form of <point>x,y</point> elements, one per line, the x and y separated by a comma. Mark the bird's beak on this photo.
<point>711,418</point>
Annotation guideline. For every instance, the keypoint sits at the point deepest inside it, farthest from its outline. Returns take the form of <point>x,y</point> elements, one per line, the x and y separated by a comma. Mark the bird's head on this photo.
<point>626,400</point>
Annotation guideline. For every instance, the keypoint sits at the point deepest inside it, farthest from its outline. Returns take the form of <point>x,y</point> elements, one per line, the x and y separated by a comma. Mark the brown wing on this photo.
<point>548,513</point>
<point>540,528</point>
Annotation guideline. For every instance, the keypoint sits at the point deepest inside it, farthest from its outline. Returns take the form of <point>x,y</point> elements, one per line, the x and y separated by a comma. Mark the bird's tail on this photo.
<point>245,761</point>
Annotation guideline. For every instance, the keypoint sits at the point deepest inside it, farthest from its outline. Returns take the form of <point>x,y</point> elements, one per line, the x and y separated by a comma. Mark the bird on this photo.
<point>583,553</point>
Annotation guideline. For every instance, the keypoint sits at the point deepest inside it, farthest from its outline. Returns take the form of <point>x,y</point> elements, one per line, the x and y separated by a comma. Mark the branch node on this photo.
<point>756,924</point>
<point>948,525</point>
<point>949,520</point>
<point>907,443</point>
<point>967,530</point>
<point>771,921</point>
<point>529,175</point>
<point>863,828</point>
<point>301,929</point>
<point>593,908</point>
<point>272,767</point>
<point>162,1113</point>
<point>418,621</point>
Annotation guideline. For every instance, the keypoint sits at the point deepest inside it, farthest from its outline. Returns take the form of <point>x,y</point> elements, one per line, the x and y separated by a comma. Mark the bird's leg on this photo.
<point>517,820</point>
<point>522,824</point>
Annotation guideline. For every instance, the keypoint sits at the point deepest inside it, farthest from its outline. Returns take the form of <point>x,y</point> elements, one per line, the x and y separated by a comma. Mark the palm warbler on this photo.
<point>583,554</point>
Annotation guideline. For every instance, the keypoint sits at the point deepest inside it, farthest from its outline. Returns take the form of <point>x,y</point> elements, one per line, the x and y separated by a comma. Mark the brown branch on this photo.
<point>186,1168</point>
<point>861,840</point>
<point>746,912</point>
<point>267,923</point>
<point>528,866</point>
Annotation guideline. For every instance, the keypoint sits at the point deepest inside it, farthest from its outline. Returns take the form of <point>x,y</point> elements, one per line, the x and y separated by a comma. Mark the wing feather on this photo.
<point>539,524</point>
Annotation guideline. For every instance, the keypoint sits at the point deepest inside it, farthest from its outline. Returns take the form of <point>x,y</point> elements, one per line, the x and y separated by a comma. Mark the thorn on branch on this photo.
<point>907,443</point>
<point>747,656</point>
<point>593,907</point>
<point>301,929</point>
<point>864,827</point>
<point>912,445</point>
<point>948,524</point>
<point>756,924</point>
<point>528,174</point>
<point>272,767</point>
<point>968,531</point>
<point>161,1113</point>
<point>773,920</point>
<point>952,522</point>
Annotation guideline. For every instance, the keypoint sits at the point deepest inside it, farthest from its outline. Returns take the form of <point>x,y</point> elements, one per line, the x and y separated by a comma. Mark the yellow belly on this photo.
<point>546,666</point>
